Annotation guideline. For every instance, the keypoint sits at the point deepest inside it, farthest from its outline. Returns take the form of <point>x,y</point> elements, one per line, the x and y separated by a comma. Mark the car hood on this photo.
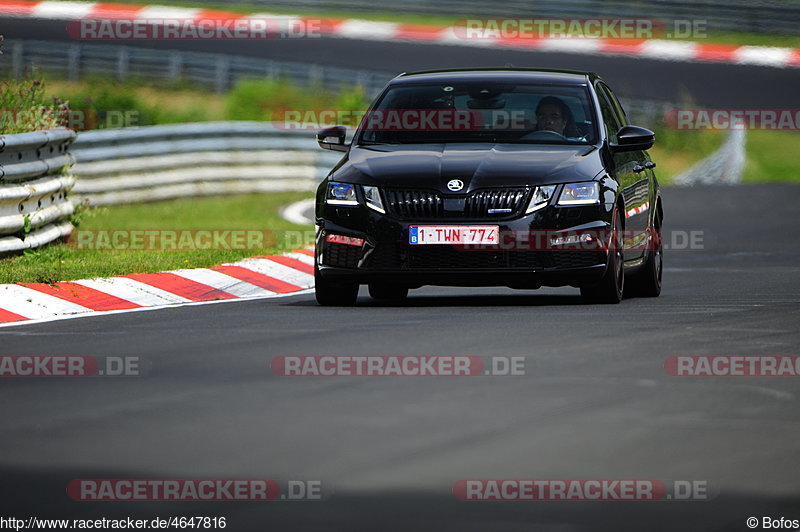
<point>477,165</point>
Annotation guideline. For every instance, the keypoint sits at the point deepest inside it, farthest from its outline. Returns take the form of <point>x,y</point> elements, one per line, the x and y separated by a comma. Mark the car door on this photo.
<point>632,173</point>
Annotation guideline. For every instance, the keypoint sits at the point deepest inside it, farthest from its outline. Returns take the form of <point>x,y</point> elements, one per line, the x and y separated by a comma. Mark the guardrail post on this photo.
<point>123,60</point>
<point>74,62</point>
<point>315,74</point>
<point>17,61</point>
<point>175,66</point>
<point>223,67</point>
<point>363,79</point>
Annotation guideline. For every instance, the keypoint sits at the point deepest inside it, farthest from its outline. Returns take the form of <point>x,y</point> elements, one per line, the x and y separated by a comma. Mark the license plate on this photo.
<point>454,234</point>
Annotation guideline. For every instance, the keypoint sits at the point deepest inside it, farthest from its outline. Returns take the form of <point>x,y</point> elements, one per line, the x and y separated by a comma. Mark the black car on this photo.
<point>490,177</point>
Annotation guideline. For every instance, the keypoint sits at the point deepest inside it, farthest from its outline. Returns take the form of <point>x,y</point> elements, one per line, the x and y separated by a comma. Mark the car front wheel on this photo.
<point>647,281</point>
<point>611,286</point>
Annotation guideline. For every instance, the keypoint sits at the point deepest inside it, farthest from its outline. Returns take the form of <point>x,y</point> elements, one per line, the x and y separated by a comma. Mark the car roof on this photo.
<point>508,74</point>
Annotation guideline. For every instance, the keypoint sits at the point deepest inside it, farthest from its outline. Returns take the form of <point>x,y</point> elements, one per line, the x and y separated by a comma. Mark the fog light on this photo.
<point>571,239</point>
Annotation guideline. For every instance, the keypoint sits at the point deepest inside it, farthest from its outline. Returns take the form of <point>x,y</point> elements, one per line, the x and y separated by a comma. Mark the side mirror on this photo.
<point>634,138</point>
<point>332,138</point>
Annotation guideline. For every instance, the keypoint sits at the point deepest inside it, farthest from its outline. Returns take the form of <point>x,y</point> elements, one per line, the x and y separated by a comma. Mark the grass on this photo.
<point>716,37</point>
<point>252,212</point>
<point>772,157</point>
<point>104,103</point>
<point>676,151</point>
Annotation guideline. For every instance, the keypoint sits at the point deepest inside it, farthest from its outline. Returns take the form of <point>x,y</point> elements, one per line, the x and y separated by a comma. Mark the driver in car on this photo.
<point>552,114</point>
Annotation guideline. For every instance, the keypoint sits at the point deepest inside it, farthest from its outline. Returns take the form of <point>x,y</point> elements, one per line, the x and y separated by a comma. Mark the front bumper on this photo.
<point>521,260</point>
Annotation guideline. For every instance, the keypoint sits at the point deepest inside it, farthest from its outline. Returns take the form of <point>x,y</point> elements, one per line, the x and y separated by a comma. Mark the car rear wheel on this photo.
<point>647,281</point>
<point>332,294</point>
<point>611,286</point>
<point>387,291</point>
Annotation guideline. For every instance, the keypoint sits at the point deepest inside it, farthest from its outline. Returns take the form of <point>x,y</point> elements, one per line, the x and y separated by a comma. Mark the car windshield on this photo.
<point>481,112</point>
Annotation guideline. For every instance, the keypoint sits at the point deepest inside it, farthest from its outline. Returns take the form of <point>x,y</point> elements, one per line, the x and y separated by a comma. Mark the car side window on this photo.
<point>615,103</point>
<point>610,118</point>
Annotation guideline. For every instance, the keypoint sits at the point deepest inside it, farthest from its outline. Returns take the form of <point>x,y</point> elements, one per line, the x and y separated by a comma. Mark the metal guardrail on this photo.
<point>34,207</point>
<point>758,16</point>
<point>723,167</point>
<point>153,163</point>
<point>219,71</point>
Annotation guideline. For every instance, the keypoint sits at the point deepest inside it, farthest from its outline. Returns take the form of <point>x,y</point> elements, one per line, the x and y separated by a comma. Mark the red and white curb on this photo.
<point>256,277</point>
<point>668,50</point>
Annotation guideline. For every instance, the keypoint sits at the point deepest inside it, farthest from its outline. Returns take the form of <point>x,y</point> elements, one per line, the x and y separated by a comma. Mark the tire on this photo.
<point>611,287</point>
<point>647,281</point>
<point>387,291</point>
<point>332,294</point>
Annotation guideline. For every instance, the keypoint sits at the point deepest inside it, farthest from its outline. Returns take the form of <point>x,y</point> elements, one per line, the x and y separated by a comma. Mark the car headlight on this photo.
<point>341,194</point>
<point>373,197</point>
<point>540,198</point>
<point>580,194</point>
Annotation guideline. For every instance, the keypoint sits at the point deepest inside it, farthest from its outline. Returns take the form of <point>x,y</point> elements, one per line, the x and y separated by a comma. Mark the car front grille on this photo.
<point>414,203</point>
<point>445,257</point>
<point>481,204</point>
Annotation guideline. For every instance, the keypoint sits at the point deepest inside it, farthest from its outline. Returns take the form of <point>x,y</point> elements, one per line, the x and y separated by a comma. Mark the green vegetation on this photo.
<point>772,157</point>
<point>676,151</point>
<point>102,102</point>
<point>255,213</point>
<point>24,107</point>
<point>110,104</point>
<point>267,100</point>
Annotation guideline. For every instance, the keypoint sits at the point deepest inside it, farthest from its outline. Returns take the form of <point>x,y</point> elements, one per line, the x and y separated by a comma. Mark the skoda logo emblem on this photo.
<point>454,185</point>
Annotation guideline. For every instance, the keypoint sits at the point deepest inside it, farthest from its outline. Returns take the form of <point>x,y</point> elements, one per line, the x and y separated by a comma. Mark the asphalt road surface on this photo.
<point>712,85</point>
<point>595,401</point>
